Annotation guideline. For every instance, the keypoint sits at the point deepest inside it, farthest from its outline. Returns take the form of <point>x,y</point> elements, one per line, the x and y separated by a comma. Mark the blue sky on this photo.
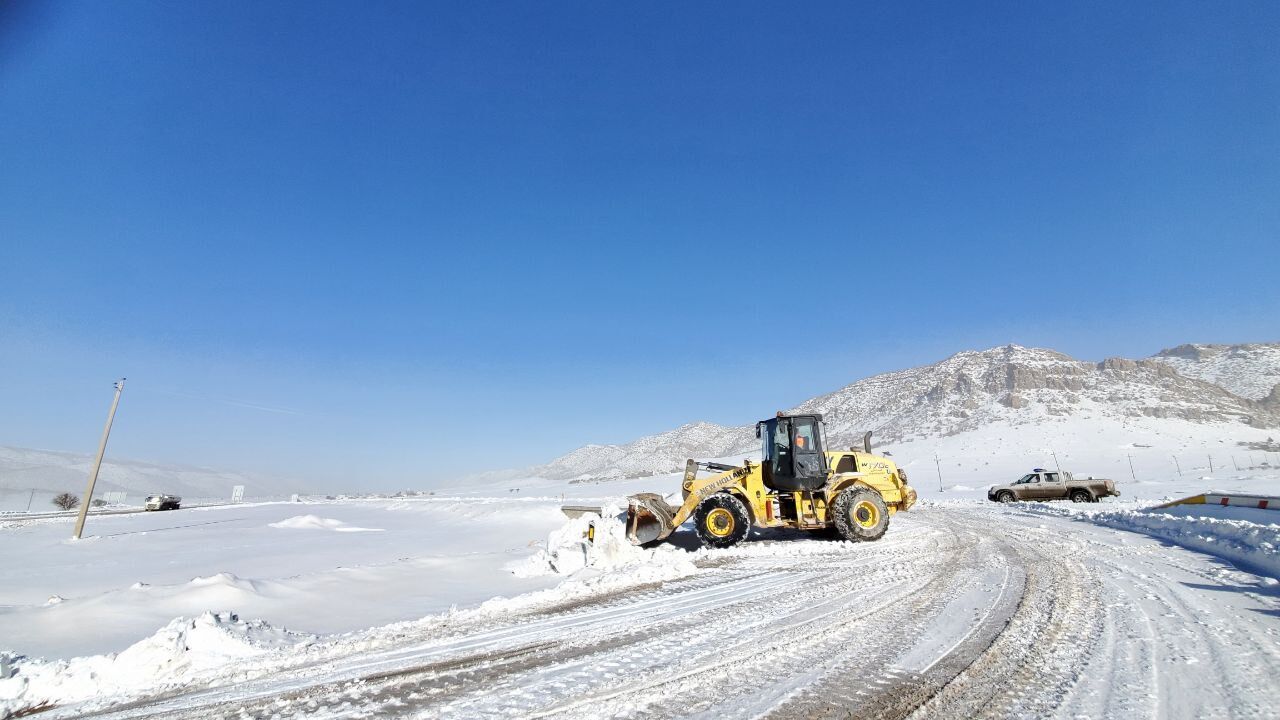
<point>386,244</point>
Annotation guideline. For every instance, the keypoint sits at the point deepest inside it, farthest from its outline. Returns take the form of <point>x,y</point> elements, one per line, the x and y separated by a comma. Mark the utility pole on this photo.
<point>97,462</point>
<point>1175,464</point>
<point>1236,464</point>
<point>1131,473</point>
<point>1210,463</point>
<point>1055,463</point>
<point>30,499</point>
<point>938,463</point>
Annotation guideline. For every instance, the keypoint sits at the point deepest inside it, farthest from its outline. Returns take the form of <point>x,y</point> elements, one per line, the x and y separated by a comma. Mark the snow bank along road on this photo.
<point>960,611</point>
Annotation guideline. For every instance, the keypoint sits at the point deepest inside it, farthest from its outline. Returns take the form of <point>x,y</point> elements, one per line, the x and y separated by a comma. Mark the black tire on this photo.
<point>722,521</point>
<point>1079,496</point>
<point>1004,497</point>
<point>860,515</point>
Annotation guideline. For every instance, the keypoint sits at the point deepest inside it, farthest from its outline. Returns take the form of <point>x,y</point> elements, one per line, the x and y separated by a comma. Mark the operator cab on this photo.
<point>793,452</point>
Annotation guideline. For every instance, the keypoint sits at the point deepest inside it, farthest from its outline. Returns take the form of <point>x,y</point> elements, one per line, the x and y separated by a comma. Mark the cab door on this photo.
<point>1033,488</point>
<point>1052,487</point>
<point>810,461</point>
<point>793,458</point>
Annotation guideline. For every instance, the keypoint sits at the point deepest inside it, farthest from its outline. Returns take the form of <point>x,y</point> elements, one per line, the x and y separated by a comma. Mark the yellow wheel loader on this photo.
<point>798,484</point>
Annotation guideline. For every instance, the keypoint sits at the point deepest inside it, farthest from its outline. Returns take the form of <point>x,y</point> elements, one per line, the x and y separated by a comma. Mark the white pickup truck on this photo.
<point>1041,484</point>
<point>163,502</point>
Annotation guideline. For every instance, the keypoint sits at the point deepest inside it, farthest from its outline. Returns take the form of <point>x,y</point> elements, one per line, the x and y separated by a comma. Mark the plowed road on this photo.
<point>959,612</point>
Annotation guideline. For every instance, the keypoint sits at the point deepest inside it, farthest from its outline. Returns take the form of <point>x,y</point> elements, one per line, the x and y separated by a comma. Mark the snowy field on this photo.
<point>326,567</point>
<point>485,606</point>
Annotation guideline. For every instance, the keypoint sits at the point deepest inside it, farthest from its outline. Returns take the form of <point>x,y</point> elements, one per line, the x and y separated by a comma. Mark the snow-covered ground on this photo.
<point>490,604</point>
<point>317,567</point>
<point>1149,460</point>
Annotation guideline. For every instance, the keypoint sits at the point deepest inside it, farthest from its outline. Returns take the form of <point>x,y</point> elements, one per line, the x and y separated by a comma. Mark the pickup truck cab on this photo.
<point>1041,484</point>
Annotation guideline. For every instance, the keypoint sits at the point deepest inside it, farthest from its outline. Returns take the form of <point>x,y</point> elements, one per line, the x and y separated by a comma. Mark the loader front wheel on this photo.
<point>722,521</point>
<point>860,514</point>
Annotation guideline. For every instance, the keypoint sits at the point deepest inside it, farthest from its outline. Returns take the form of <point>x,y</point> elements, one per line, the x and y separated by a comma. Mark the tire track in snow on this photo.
<point>961,612</point>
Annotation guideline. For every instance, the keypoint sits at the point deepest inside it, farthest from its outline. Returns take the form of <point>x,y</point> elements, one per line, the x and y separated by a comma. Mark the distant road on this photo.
<point>17,516</point>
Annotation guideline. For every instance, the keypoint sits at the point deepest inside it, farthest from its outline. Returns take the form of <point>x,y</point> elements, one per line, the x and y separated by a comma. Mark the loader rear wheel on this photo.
<point>722,521</point>
<point>860,514</point>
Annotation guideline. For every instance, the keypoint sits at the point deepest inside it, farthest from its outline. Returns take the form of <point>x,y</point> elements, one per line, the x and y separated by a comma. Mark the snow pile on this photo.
<point>1246,537</point>
<point>175,655</point>
<point>315,522</point>
<point>222,589</point>
<point>568,551</point>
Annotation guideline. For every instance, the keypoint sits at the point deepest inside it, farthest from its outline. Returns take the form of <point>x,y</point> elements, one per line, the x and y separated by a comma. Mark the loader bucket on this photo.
<point>649,518</point>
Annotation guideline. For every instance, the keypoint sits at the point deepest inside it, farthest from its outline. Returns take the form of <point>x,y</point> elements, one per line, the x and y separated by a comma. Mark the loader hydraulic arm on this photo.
<point>650,518</point>
<point>717,467</point>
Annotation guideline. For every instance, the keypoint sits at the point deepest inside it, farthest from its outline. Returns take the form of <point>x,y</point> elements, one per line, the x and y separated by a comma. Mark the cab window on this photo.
<point>781,450</point>
<point>1026,479</point>
<point>846,464</point>
<point>804,436</point>
<point>1051,477</point>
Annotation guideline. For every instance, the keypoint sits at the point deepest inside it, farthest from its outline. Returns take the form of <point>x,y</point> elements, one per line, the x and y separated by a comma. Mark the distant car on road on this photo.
<point>1041,484</point>
<point>163,502</point>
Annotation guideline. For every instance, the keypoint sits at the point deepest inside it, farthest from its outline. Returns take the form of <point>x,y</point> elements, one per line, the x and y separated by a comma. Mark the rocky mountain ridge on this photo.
<point>1250,370</point>
<point>1011,384</point>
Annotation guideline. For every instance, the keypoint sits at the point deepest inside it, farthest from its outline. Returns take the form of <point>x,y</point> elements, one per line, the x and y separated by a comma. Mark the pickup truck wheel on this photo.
<point>722,521</point>
<point>1004,497</point>
<point>860,515</point>
<point>1079,496</point>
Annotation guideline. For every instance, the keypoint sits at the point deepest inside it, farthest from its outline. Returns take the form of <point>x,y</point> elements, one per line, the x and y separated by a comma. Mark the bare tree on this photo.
<point>66,501</point>
<point>98,502</point>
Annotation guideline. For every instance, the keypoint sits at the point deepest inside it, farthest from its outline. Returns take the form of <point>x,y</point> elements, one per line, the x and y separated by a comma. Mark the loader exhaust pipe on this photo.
<point>866,442</point>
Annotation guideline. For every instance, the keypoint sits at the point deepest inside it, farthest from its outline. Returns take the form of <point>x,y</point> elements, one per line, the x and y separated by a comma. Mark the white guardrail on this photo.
<point>1261,502</point>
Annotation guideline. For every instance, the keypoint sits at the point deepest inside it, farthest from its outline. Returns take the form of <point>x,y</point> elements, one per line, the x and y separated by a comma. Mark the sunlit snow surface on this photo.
<point>295,565</point>
<point>176,598</point>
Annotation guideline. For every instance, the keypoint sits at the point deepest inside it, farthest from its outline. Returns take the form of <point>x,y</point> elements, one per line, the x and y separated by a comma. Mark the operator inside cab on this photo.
<point>804,437</point>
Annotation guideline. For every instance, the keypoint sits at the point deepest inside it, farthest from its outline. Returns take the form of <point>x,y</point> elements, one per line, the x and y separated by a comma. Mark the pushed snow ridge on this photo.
<point>315,522</point>
<point>180,652</point>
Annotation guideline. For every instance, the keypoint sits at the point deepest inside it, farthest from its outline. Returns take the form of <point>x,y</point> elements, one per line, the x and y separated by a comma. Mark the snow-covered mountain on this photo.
<point>651,454</point>
<point>1019,385</point>
<point>46,471</point>
<point>1251,370</point>
<point>1011,387</point>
